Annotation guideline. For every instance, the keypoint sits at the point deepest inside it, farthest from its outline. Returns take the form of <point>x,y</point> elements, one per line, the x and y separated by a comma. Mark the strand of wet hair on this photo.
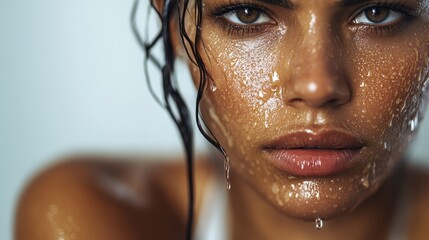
<point>146,46</point>
<point>203,73</point>
<point>173,101</point>
<point>183,123</point>
<point>170,90</point>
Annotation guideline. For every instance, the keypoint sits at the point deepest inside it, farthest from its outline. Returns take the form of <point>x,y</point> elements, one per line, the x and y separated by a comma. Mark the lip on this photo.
<point>314,153</point>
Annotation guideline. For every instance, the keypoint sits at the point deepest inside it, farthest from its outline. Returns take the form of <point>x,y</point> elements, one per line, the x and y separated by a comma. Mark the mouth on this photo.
<point>314,153</point>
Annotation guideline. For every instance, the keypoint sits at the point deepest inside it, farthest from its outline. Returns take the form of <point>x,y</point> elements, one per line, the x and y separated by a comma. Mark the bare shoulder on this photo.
<point>419,192</point>
<point>87,197</point>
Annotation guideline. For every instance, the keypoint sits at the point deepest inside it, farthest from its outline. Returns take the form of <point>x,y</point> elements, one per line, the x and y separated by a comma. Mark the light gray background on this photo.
<point>70,81</point>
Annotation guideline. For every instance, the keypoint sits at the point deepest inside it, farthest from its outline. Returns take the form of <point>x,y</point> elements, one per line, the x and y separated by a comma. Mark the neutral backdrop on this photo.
<point>71,80</point>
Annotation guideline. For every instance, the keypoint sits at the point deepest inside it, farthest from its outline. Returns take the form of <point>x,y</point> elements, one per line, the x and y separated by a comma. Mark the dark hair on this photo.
<point>172,99</point>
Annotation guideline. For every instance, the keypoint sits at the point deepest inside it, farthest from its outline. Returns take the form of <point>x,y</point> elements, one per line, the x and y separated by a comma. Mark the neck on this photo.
<point>254,218</point>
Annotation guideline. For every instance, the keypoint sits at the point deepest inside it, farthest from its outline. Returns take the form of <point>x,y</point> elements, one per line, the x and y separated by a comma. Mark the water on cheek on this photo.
<point>249,77</point>
<point>312,23</point>
<point>213,86</point>
<point>380,84</point>
<point>244,71</point>
<point>402,91</point>
<point>368,174</point>
<point>414,106</point>
<point>245,67</point>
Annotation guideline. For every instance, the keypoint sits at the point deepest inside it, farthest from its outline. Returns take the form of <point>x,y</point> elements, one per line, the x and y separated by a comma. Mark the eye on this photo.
<point>377,15</point>
<point>247,16</point>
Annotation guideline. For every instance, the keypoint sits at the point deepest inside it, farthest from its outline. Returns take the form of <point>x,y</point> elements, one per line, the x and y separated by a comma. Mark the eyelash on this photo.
<point>389,28</point>
<point>251,29</point>
<point>232,28</point>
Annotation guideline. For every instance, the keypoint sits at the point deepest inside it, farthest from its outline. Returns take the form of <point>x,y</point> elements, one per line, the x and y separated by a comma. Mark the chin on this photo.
<point>309,210</point>
<point>309,198</point>
<point>325,200</point>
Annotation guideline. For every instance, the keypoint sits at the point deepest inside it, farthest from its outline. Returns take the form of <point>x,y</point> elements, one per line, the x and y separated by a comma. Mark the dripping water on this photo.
<point>213,86</point>
<point>319,223</point>
<point>227,168</point>
<point>414,122</point>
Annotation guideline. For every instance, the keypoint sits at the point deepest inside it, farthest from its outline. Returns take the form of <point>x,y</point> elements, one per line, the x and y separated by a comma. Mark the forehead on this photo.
<point>339,3</point>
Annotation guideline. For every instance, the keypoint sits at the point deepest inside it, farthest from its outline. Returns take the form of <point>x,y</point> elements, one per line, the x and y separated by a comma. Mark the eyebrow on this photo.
<point>282,3</point>
<point>289,4</point>
<point>347,3</point>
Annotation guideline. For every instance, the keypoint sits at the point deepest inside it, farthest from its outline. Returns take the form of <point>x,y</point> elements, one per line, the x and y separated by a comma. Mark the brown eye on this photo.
<point>248,15</point>
<point>377,14</point>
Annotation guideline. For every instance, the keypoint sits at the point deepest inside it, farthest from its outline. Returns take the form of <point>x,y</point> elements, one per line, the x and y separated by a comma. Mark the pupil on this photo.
<point>248,15</point>
<point>377,14</point>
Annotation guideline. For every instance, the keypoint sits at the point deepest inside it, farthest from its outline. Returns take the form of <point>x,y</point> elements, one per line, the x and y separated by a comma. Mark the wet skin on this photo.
<point>310,66</point>
<point>306,66</point>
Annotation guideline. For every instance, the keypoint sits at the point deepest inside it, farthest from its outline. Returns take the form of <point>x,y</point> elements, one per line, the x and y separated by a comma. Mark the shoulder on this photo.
<point>419,193</point>
<point>100,198</point>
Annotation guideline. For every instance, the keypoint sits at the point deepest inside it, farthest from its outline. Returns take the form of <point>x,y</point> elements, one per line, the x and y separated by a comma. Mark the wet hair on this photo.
<point>172,99</point>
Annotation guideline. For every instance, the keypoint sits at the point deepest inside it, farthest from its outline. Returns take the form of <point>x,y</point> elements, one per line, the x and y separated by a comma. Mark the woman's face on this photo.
<point>314,101</point>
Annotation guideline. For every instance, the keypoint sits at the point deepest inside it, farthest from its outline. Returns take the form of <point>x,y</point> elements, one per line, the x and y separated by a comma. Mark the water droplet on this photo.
<point>282,29</point>
<point>274,88</point>
<point>266,119</point>
<point>276,77</point>
<point>414,123</point>
<point>319,223</point>
<point>227,168</point>
<point>386,146</point>
<point>275,188</point>
<point>365,181</point>
<point>213,86</point>
<point>288,195</point>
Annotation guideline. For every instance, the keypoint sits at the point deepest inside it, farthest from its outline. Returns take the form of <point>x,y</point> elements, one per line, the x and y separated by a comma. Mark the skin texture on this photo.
<point>308,67</point>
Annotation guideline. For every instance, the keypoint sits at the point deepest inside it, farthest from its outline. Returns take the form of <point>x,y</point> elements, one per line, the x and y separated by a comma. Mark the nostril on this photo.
<point>333,102</point>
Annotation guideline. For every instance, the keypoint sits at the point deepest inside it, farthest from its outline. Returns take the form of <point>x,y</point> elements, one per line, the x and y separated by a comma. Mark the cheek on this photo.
<point>244,87</point>
<point>390,85</point>
<point>390,88</point>
<point>244,69</point>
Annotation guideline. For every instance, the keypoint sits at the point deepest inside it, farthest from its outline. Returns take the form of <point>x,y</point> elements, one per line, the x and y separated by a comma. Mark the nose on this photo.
<point>317,74</point>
